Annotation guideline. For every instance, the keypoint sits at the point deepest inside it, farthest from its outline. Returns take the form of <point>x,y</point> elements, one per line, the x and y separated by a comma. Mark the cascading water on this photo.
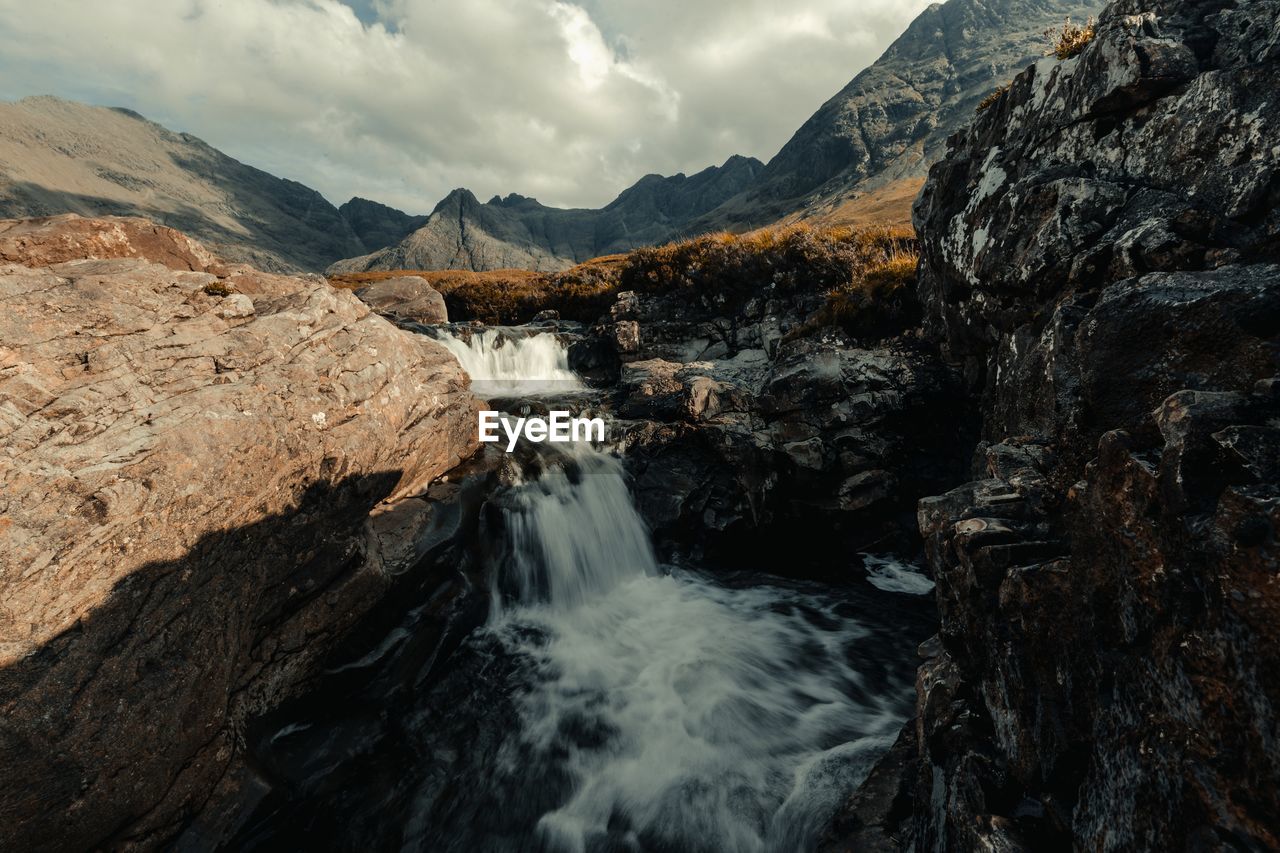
<point>501,365</point>
<point>573,532</point>
<point>681,714</point>
<point>606,704</point>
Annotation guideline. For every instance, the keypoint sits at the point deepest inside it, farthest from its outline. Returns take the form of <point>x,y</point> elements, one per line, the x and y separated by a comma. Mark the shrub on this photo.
<point>218,288</point>
<point>1070,40</point>
<point>993,97</point>
<point>790,260</point>
<point>510,297</point>
<point>841,266</point>
<point>878,304</point>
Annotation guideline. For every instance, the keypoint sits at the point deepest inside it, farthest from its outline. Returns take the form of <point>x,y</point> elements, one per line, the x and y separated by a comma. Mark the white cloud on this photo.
<point>569,102</point>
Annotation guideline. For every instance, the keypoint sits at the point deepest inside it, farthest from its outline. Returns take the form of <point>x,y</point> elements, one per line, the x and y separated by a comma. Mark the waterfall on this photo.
<point>573,530</point>
<point>609,703</point>
<point>678,713</point>
<point>502,365</point>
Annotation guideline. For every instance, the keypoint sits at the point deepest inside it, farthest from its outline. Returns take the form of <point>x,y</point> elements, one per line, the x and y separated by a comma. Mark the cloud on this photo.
<point>403,100</point>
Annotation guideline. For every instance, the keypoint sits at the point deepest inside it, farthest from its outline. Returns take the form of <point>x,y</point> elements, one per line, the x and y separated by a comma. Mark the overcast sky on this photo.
<point>403,100</point>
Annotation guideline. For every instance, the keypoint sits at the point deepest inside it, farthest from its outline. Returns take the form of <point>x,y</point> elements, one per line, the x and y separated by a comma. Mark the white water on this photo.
<point>893,575</point>
<point>574,531</point>
<point>503,366</point>
<point>689,716</point>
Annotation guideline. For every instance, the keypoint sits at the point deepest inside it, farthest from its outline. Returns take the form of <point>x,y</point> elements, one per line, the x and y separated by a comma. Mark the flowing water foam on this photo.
<point>688,715</point>
<point>504,365</point>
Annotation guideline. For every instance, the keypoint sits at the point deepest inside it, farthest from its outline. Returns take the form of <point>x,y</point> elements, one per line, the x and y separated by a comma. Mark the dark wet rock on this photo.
<point>1099,258</point>
<point>877,816</point>
<point>822,435</point>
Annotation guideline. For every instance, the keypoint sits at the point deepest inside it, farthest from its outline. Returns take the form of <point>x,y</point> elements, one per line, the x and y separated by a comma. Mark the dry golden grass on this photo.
<point>1071,39</point>
<point>512,296</point>
<point>887,206</point>
<point>990,100</point>
<point>863,273</point>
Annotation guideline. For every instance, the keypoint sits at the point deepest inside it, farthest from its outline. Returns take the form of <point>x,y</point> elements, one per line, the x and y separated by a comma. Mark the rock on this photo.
<point>877,815</point>
<point>407,298</point>
<point>183,499</point>
<point>235,306</point>
<point>821,437</point>
<point>43,242</point>
<point>1100,259</point>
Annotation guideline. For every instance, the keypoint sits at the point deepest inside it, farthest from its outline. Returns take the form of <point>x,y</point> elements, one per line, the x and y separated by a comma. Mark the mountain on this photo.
<point>515,231</point>
<point>376,224</point>
<point>883,130</point>
<point>58,156</point>
<point>860,159</point>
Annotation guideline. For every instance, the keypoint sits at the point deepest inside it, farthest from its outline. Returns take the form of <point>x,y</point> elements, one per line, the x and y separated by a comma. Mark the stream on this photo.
<point>600,700</point>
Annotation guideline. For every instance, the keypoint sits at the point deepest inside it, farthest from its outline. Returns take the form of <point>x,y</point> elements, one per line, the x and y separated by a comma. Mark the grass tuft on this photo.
<point>990,100</point>
<point>1071,39</point>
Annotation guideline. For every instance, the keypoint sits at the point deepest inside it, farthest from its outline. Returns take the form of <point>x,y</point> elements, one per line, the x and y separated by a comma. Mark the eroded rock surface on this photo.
<point>1100,255</point>
<point>188,462</point>
<point>737,428</point>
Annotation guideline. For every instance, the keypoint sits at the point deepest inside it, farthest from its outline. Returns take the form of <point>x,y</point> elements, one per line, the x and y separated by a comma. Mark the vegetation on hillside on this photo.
<point>1071,39</point>
<point>862,278</point>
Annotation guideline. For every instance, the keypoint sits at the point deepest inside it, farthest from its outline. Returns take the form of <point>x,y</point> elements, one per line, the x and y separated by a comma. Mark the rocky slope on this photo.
<point>891,122</point>
<point>739,429</point>
<point>190,453</point>
<point>58,157</point>
<point>518,232</point>
<point>377,225</point>
<point>1100,258</point>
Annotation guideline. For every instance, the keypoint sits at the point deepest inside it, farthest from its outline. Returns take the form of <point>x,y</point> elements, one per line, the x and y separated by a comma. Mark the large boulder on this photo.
<point>407,298</point>
<point>823,438</point>
<point>187,465</point>
<point>54,239</point>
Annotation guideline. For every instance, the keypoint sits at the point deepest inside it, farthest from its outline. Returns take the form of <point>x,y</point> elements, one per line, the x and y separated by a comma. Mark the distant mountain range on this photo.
<point>860,158</point>
<point>518,232</point>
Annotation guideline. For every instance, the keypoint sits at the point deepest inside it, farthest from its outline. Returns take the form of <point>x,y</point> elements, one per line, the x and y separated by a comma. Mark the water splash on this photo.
<point>892,574</point>
<point>690,716</point>
<point>681,714</point>
<point>502,365</point>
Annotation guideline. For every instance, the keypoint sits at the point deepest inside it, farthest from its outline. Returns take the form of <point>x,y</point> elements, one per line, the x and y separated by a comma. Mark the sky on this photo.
<point>403,100</point>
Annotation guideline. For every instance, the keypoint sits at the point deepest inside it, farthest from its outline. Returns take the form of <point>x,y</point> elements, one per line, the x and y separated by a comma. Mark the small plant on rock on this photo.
<point>1071,39</point>
<point>218,288</point>
<point>993,97</point>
